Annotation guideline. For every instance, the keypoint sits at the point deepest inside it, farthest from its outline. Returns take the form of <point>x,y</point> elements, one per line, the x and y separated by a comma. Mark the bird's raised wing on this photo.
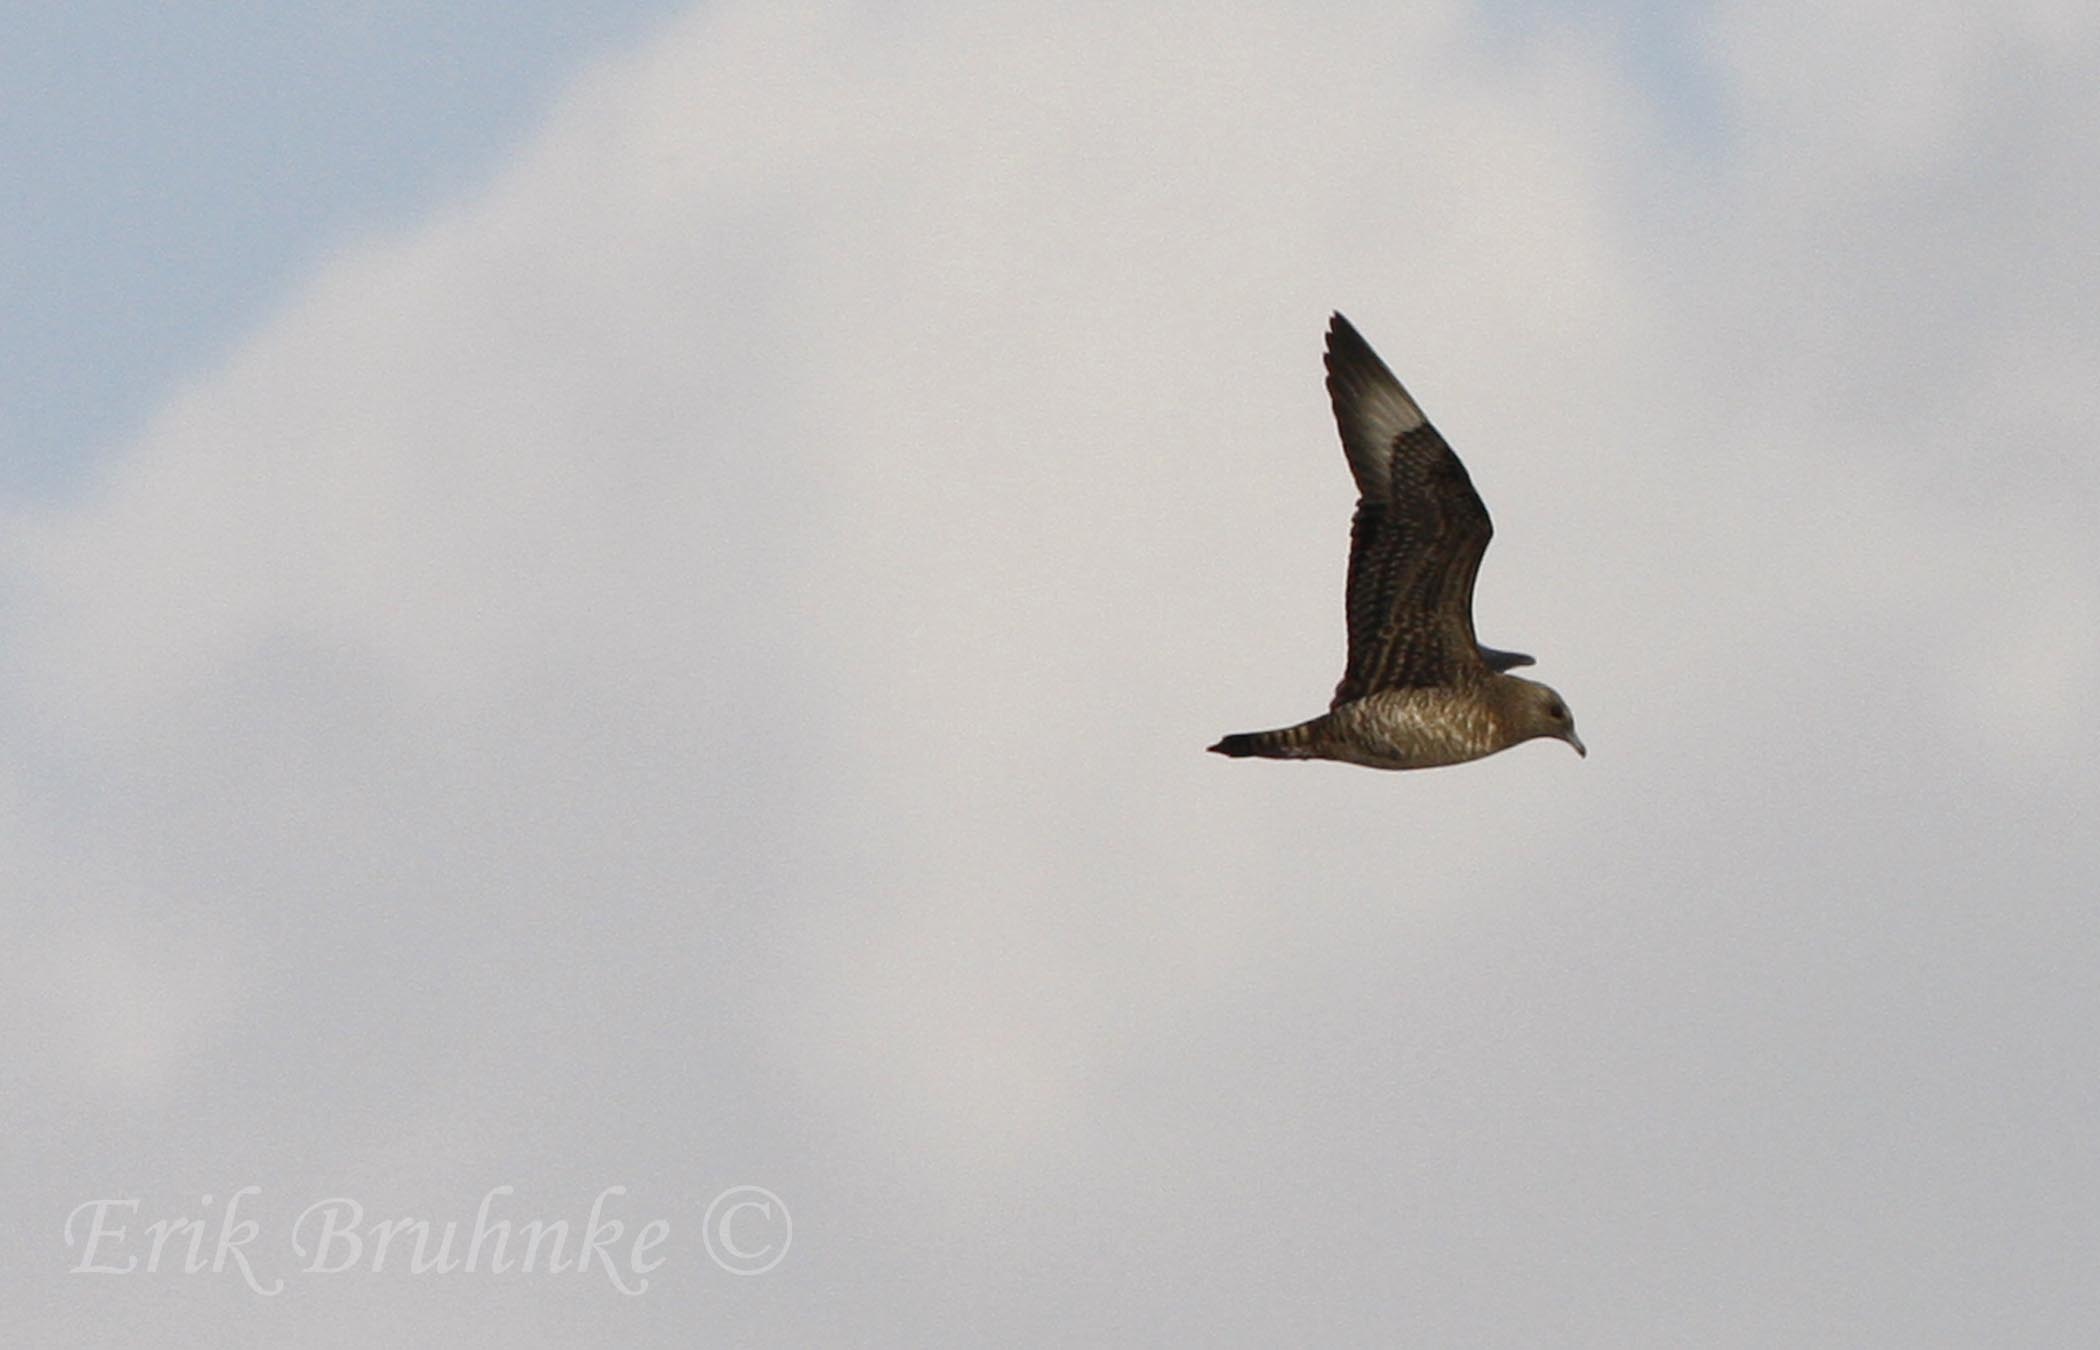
<point>1419,533</point>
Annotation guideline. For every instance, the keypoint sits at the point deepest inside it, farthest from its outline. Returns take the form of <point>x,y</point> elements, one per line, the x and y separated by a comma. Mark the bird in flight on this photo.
<point>1419,690</point>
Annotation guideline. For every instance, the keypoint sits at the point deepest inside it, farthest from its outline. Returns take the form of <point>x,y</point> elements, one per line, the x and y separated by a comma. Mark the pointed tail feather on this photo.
<point>1284,743</point>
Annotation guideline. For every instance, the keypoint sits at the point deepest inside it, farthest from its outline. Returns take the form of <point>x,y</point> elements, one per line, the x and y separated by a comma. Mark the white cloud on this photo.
<point>691,668</point>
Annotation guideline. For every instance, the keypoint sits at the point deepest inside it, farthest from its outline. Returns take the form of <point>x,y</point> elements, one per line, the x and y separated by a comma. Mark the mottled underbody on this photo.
<point>1411,728</point>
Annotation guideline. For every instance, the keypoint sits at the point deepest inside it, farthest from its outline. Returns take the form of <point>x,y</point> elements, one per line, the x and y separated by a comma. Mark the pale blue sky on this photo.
<point>179,167</point>
<point>174,168</point>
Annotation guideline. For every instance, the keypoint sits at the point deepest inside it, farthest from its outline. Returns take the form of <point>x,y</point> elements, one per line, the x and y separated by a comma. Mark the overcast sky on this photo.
<point>632,599</point>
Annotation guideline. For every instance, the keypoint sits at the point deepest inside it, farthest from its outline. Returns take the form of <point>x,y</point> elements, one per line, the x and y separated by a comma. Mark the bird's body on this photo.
<point>1391,729</point>
<point>1419,689</point>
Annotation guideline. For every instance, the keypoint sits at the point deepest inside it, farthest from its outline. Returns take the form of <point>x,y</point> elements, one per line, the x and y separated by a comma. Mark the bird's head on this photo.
<point>1531,710</point>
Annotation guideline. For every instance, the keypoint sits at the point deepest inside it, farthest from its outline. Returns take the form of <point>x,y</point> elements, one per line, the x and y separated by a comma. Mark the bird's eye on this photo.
<point>1556,712</point>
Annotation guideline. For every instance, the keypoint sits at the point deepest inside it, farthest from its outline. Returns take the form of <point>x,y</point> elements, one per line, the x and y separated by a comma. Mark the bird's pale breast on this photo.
<point>1414,728</point>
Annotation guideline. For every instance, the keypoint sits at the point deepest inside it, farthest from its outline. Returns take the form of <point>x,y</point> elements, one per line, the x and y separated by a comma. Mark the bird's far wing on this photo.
<point>1419,533</point>
<point>1499,660</point>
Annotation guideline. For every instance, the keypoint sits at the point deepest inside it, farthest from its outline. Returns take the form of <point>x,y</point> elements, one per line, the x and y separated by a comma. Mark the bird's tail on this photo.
<point>1283,743</point>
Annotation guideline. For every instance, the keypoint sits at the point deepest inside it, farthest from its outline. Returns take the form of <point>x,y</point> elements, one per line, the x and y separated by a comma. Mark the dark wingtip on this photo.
<point>1353,369</point>
<point>1237,746</point>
